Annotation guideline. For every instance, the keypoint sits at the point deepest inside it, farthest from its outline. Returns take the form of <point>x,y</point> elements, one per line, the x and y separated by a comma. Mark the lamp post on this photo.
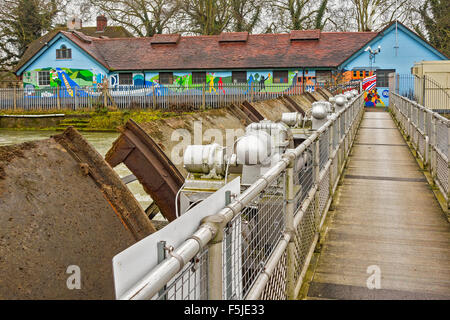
<point>372,54</point>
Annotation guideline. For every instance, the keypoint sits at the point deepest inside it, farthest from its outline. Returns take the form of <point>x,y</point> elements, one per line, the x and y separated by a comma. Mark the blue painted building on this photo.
<point>400,48</point>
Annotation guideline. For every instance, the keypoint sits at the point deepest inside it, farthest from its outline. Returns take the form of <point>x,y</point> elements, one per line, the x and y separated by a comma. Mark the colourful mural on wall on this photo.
<point>216,82</point>
<point>219,81</point>
<point>373,99</point>
<point>65,78</point>
<point>371,96</point>
<point>309,77</point>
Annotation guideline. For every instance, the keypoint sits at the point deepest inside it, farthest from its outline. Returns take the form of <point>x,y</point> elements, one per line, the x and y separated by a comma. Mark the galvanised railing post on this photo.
<point>412,129</point>
<point>409,110</point>
<point>290,194</point>
<point>343,136</point>
<point>433,149</point>
<point>416,130</point>
<point>330,152</point>
<point>58,97</point>
<point>423,90</point>
<point>339,152</point>
<point>316,167</point>
<point>215,271</point>
<point>426,148</point>
<point>215,258</point>
<point>448,167</point>
<point>75,95</point>
<point>203,96</point>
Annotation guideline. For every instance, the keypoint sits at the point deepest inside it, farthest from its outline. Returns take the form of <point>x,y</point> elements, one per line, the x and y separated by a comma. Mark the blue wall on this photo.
<point>46,60</point>
<point>80,60</point>
<point>410,49</point>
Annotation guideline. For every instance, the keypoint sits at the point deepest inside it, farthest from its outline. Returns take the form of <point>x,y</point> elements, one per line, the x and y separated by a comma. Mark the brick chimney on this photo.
<point>101,23</point>
<point>74,23</point>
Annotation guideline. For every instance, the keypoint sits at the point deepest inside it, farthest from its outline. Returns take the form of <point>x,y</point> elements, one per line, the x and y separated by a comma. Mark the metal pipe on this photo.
<point>261,282</point>
<point>215,283</point>
<point>152,282</point>
<point>289,216</point>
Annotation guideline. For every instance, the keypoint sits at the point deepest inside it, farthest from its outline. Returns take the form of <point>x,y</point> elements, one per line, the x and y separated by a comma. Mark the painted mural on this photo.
<point>309,77</point>
<point>216,82</point>
<point>371,96</point>
<point>64,78</point>
<point>220,81</point>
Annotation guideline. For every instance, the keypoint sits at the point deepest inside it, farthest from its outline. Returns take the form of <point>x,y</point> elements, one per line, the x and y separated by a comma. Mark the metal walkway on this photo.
<point>386,218</point>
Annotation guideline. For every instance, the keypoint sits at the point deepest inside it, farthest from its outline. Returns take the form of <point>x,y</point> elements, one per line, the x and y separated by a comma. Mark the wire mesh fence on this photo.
<point>428,133</point>
<point>304,239</point>
<point>425,90</point>
<point>304,178</point>
<point>276,287</point>
<point>191,283</point>
<point>261,225</point>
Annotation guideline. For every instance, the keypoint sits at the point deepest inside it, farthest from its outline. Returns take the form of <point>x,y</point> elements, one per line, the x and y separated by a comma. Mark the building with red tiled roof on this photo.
<point>301,56</point>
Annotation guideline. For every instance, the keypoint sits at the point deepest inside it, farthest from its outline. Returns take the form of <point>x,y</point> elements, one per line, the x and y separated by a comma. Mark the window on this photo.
<point>280,76</point>
<point>126,79</point>
<point>323,76</point>
<point>239,76</point>
<point>198,77</point>
<point>166,77</point>
<point>383,77</point>
<point>63,53</point>
<point>44,78</point>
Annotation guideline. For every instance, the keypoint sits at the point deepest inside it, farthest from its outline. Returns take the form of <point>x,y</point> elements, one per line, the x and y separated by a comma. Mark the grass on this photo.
<point>101,119</point>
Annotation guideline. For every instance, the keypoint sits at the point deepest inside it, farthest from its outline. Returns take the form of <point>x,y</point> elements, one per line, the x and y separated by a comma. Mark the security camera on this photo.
<point>368,48</point>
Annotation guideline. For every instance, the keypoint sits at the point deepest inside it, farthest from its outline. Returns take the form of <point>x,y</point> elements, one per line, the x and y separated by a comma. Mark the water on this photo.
<point>101,141</point>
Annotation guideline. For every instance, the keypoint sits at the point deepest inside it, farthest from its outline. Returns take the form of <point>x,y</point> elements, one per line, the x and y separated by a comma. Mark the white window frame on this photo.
<point>40,82</point>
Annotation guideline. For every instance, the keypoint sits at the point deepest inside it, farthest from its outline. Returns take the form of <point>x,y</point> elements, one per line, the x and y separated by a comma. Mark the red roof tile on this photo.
<point>233,37</point>
<point>165,39</point>
<point>305,34</point>
<point>260,51</point>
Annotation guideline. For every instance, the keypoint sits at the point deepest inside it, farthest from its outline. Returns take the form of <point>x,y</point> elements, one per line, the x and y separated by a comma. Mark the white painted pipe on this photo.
<point>261,282</point>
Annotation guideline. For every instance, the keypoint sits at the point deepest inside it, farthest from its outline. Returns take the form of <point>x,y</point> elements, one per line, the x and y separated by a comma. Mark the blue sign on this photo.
<point>385,93</point>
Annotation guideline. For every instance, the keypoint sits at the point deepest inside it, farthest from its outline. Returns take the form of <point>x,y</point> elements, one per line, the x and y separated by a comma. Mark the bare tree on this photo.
<point>246,14</point>
<point>436,21</point>
<point>21,22</point>
<point>205,17</point>
<point>321,19</point>
<point>298,14</point>
<point>371,15</point>
<point>142,17</point>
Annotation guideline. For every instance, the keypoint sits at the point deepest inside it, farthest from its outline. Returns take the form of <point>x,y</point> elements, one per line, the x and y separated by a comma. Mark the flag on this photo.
<point>369,83</point>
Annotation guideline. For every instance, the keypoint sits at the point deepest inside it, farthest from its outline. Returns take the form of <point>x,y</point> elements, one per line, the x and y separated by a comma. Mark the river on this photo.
<point>102,142</point>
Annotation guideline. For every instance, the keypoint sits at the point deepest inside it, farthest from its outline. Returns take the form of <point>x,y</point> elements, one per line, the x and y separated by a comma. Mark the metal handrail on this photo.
<point>212,226</point>
<point>428,148</point>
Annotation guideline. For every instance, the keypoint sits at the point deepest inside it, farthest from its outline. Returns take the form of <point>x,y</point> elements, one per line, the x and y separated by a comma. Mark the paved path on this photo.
<point>386,216</point>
